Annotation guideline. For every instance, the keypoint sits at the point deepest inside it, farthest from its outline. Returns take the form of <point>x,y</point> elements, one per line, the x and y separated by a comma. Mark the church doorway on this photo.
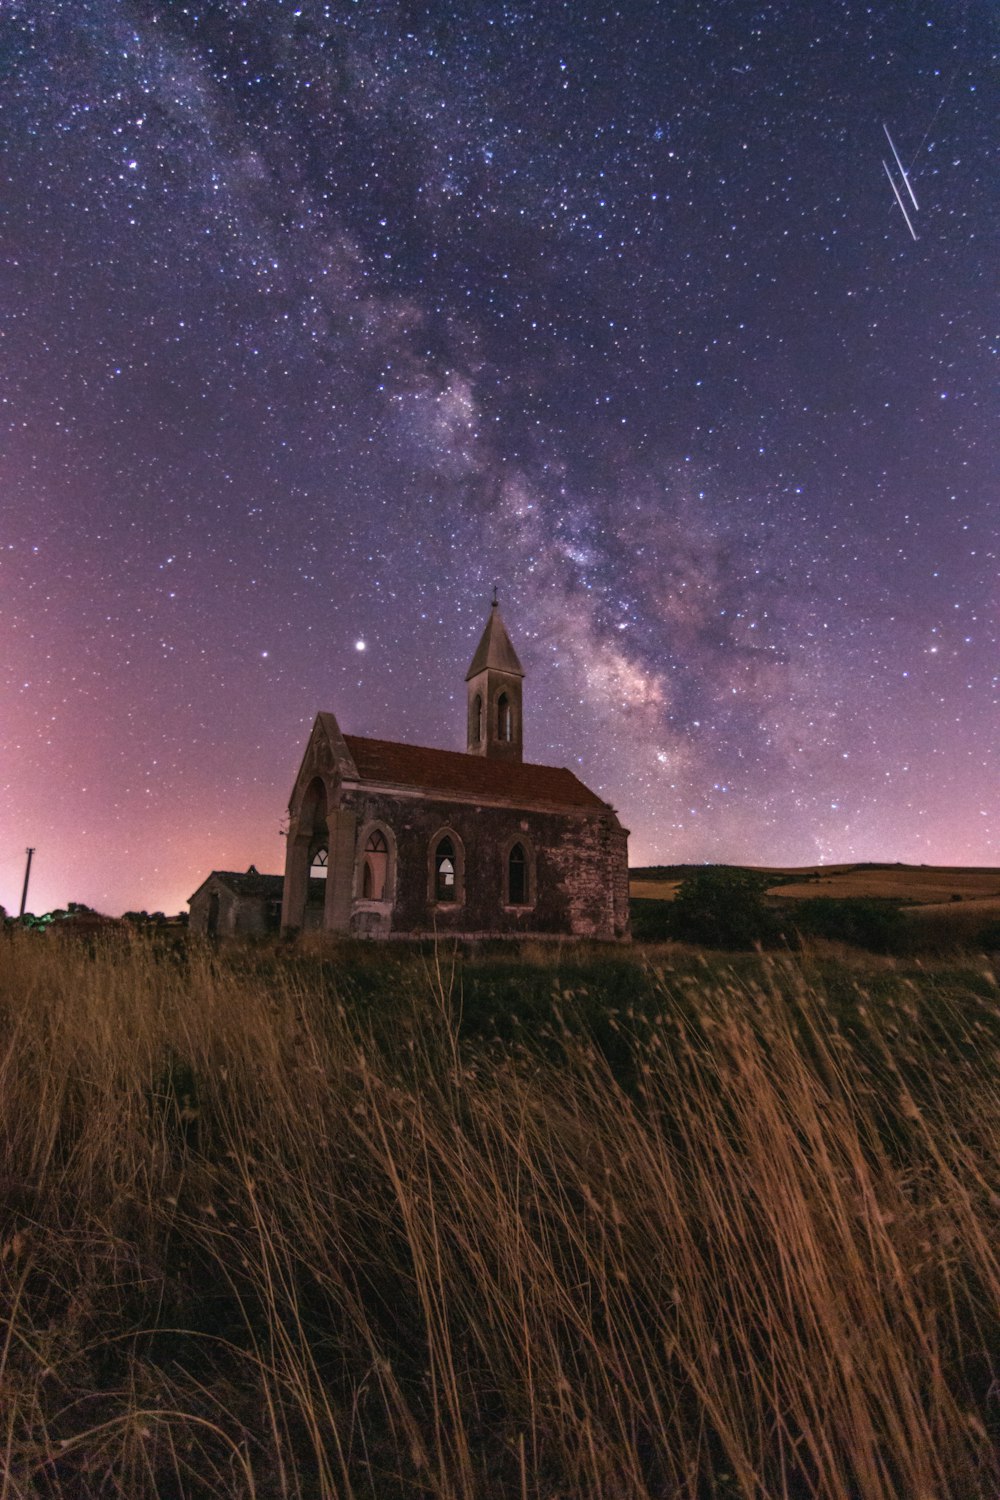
<point>312,854</point>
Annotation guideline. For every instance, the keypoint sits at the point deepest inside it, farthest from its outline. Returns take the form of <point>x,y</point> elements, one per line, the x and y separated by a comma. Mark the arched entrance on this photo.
<point>307,862</point>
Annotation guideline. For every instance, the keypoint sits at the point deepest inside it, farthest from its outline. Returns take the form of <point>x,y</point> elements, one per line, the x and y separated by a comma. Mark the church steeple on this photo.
<point>493,683</point>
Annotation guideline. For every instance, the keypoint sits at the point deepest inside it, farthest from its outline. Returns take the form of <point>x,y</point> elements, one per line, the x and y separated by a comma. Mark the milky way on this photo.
<point>319,319</point>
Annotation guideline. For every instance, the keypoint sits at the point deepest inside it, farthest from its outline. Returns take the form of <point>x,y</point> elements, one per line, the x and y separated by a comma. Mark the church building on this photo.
<point>394,840</point>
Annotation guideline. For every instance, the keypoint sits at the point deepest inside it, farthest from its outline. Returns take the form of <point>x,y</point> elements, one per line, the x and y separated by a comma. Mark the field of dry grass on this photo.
<point>652,890</point>
<point>921,884</point>
<point>271,1226</point>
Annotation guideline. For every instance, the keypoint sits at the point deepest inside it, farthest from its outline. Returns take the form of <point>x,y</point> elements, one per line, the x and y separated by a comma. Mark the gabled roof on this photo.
<point>247,883</point>
<point>495,650</point>
<point>468,776</point>
<point>325,749</point>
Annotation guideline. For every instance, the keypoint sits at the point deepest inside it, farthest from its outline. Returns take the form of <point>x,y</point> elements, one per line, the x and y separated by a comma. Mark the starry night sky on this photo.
<point>318,319</point>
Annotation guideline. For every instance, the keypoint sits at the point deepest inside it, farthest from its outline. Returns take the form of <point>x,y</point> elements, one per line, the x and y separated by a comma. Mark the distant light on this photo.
<point>360,646</point>
<point>265,653</point>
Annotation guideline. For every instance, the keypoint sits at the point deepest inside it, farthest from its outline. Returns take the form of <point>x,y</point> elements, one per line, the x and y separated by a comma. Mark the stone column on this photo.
<point>296,887</point>
<point>340,873</point>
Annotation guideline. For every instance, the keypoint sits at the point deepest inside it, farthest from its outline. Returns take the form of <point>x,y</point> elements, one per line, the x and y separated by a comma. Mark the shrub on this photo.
<point>864,921</point>
<point>652,921</point>
<point>721,907</point>
<point>989,937</point>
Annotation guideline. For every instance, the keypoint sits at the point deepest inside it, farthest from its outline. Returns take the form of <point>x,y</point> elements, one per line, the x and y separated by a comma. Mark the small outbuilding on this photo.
<point>228,904</point>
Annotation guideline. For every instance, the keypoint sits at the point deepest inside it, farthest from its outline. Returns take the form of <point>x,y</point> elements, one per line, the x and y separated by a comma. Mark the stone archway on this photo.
<point>308,837</point>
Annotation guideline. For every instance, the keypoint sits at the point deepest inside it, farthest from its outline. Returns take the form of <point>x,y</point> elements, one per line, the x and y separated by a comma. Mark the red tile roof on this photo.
<point>469,776</point>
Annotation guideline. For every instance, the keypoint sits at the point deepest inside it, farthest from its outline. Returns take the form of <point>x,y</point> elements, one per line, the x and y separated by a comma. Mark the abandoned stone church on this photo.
<point>396,840</point>
<point>414,840</point>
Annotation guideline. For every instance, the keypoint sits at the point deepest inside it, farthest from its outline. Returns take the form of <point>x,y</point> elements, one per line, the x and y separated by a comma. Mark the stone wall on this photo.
<point>578,870</point>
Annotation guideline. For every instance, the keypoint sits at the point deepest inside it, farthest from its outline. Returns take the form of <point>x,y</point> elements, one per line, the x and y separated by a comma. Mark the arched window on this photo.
<point>444,871</point>
<point>503,718</point>
<point>376,868</point>
<point>476,720</point>
<point>319,865</point>
<point>517,877</point>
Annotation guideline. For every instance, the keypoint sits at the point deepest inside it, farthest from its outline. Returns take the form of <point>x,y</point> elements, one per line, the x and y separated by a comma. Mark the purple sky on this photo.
<point>318,319</point>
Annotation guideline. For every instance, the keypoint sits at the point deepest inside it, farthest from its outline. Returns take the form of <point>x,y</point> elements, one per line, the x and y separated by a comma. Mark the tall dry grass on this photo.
<point>263,1237</point>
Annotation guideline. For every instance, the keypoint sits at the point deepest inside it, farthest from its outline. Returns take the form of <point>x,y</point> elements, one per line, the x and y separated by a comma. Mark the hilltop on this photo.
<point>912,885</point>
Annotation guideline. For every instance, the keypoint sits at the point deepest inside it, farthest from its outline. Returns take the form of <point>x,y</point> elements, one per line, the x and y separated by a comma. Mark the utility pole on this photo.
<point>27,875</point>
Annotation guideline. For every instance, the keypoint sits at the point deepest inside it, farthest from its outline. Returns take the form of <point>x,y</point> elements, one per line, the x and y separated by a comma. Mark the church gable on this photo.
<point>326,756</point>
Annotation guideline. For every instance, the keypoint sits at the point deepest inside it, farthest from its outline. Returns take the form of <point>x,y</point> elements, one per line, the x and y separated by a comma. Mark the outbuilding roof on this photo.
<point>247,882</point>
<point>469,776</point>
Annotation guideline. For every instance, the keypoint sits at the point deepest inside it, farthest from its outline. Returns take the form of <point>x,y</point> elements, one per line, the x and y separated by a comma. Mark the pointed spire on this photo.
<point>495,652</point>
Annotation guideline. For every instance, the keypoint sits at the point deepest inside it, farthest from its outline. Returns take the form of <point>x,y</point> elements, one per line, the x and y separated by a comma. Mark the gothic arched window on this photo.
<point>444,871</point>
<point>503,718</point>
<point>319,865</point>
<point>517,877</point>
<point>476,720</point>
<point>376,868</point>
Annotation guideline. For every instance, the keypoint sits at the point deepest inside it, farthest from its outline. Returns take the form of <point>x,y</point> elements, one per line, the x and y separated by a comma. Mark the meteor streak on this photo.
<point>899,200</point>
<point>902,169</point>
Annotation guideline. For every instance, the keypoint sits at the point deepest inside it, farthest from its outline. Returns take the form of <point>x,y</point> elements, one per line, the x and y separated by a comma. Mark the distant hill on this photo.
<point>917,885</point>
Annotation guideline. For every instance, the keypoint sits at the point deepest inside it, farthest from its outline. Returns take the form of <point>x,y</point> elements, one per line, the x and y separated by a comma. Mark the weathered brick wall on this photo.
<point>593,870</point>
<point>251,915</point>
<point>618,852</point>
<point>228,909</point>
<point>579,869</point>
<point>198,921</point>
